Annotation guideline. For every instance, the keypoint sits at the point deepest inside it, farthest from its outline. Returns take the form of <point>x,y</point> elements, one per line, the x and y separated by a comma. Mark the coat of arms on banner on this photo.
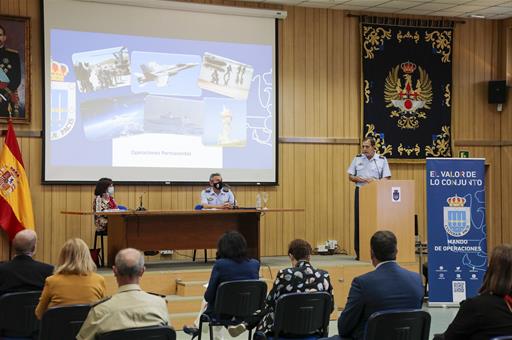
<point>457,217</point>
<point>8,179</point>
<point>406,87</point>
<point>411,99</point>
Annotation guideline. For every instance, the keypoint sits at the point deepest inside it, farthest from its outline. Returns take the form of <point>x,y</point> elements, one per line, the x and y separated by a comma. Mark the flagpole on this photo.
<point>10,242</point>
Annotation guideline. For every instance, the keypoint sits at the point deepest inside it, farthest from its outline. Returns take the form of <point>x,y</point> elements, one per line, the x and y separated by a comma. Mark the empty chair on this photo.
<point>146,333</point>
<point>302,315</point>
<point>398,325</point>
<point>63,322</point>
<point>17,317</point>
<point>235,300</point>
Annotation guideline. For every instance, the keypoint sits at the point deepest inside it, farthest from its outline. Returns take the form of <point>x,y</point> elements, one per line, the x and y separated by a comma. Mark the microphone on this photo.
<point>378,170</point>
<point>141,206</point>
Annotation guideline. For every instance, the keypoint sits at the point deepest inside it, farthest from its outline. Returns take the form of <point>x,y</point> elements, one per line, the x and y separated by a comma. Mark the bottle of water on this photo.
<point>258,201</point>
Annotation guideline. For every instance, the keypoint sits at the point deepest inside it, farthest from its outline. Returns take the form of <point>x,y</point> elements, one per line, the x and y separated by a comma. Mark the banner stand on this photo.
<point>456,229</point>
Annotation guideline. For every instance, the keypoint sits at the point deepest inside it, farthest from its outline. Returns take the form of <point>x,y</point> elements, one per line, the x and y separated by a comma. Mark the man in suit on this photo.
<point>23,273</point>
<point>130,307</point>
<point>387,287</point>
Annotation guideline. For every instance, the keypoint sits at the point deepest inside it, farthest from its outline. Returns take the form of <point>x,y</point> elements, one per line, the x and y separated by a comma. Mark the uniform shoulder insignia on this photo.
<point>382,157</point>
<point>11,50</point>
<point>208,190</point>
<point>359,155</point>
<point>101,301</point>
<point>225,189</point>
<point>156,294</point>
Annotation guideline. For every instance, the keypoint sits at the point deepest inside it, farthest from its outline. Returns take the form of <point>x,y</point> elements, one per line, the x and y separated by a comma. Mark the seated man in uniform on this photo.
<point>218,195</point>
<point>130,307</point>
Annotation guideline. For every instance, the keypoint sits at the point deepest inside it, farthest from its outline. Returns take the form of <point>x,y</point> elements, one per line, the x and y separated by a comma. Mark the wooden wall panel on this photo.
<point>319,96</point>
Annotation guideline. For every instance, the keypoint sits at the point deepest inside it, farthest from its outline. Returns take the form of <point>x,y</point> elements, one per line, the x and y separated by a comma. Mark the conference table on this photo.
<point>180,229</point>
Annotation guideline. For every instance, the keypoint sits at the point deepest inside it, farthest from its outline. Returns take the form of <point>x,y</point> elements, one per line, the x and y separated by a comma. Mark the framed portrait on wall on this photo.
<point>15,69</point>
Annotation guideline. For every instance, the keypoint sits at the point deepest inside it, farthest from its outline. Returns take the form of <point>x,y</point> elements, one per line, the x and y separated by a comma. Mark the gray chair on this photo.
<point>234,300</point>
<point>302,315</point>
<point>146,333</point>
<point>63,322</point>
<point>17,317</point>
<point>398,325</point>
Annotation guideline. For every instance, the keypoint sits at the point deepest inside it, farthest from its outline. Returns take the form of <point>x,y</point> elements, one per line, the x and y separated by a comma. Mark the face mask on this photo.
<point>110,190</point>
<point>218,185</point>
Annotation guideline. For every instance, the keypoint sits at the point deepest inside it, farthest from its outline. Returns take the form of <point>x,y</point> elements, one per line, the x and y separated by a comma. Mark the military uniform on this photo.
<point>210,197</point>
<point>10,66</point>
<point>130,307</point>
<point>376,167</point>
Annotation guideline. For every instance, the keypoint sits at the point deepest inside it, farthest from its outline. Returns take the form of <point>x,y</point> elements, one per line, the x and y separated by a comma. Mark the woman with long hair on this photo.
<point>74,280</point>
<point>489,314</point>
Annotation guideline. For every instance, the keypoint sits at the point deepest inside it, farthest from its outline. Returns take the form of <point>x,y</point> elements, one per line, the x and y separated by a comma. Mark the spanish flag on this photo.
<point>15,202</point>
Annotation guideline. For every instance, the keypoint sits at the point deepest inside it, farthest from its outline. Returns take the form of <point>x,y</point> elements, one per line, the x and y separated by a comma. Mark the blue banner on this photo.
<point>457,241</point>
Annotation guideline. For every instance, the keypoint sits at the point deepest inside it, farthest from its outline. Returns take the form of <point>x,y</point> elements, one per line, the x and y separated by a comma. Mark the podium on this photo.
<point>387,205</point>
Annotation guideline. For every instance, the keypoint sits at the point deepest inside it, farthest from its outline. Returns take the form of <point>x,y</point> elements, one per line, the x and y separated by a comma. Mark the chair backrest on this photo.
<point>17,317</point>
<point>302,314</point>
<point>146,333</point>
<point>504,337</point>
<point>398,325</point>
<point>240,299</point>
<point>63,322</point>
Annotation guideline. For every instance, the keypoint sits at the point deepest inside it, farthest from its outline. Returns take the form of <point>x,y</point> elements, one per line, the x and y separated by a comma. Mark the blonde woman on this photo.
<point>74,280</point>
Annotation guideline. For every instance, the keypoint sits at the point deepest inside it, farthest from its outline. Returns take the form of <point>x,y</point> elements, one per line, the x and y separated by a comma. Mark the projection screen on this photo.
<point>143,92</point>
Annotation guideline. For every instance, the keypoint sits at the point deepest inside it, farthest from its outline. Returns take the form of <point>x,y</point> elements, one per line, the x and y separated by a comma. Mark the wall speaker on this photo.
<point>497,92</point>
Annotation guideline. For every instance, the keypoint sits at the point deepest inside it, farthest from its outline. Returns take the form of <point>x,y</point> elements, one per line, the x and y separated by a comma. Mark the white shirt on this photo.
<point>210,197</point>
<point>381,263</point>
<point>376,167</point>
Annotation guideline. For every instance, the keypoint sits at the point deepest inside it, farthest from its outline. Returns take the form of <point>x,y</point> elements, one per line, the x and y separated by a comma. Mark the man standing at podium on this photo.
<point>218,195</point>
<point>366,167</point>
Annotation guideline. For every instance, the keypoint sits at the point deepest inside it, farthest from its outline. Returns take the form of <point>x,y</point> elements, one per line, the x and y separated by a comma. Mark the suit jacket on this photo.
<point>23,274</point>
<point>480,318</point>
<point>228,270</point>
<point>387,287</point>
<point>70,289</point>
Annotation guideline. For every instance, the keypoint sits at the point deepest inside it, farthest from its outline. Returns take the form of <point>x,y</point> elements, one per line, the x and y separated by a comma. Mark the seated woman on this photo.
<point>103,200</point>
<point>301,277</point>
<point>74,280</point>
<point>489,314</point>
<point>232,264</point>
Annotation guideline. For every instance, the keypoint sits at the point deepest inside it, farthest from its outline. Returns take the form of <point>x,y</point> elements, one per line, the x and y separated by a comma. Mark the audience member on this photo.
<point>300,277</point>
<point>489,314</point>
<point>232,264</point>
<point>23,273</point>
<point>387,287</point>
<point>130,307</point>
<point>74,280</point>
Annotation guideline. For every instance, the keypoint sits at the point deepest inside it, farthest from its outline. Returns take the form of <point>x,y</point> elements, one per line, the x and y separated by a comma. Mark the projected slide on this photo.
<point>132,107</point>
